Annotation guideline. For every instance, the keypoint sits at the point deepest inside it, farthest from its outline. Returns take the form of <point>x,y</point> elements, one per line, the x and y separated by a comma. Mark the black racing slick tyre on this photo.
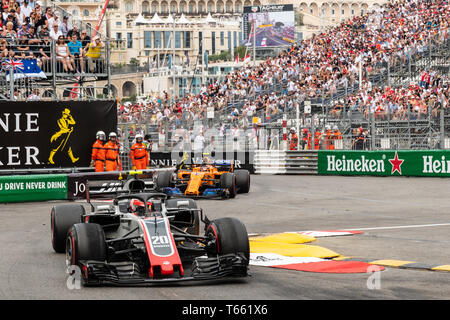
<point>228,181</point>
<point>85,241</point>
<point>62,218</point>
<point>231,236</point>
<point>164,180</point>
<point>195,229</point>
<point>242,181</point>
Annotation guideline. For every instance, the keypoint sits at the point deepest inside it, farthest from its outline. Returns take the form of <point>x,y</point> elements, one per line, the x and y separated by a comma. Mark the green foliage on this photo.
<point>131,98</point>
<point>240,51</point>
<point>134,62</point>
<point>223,56</point>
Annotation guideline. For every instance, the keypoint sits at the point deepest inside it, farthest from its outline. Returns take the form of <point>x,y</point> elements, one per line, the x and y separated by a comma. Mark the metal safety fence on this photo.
<point>43,68</point>
<point>404,127</point>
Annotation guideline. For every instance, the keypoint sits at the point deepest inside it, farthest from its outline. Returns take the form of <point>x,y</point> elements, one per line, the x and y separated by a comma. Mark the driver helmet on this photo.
<point>292,129</point>
<point>139,138</point>
<point>206,160</point>
<point>100,135</point>
<point>137,207</point>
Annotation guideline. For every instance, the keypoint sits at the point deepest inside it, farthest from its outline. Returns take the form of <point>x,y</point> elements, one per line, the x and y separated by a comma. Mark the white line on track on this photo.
<point>400,227</point>
<point>321,195</point>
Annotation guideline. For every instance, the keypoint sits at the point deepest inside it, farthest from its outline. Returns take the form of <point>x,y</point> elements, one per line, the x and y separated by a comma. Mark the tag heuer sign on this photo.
<point>385,163</point>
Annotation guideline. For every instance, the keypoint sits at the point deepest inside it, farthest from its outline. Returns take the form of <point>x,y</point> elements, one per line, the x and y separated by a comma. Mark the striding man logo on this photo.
<point>61,139</point>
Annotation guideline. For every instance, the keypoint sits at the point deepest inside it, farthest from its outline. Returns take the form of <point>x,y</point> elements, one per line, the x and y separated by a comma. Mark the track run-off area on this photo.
<point>400,224</point>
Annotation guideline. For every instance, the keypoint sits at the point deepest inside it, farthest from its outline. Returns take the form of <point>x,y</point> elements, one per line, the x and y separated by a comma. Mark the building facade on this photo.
<point>160,34</point>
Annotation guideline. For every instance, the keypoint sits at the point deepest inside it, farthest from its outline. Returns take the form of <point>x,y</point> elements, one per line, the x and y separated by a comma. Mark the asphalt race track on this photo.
<point>400,218</point>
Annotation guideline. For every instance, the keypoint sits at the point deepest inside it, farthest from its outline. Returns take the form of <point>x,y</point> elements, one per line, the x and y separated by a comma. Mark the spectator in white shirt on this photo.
<point>25,8</point>
<point>55,32</point>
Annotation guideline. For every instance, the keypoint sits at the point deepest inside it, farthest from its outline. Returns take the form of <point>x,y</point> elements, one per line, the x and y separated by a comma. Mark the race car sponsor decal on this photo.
<point>273,259</point>
<point>159,237</point>
<point>160,246</point>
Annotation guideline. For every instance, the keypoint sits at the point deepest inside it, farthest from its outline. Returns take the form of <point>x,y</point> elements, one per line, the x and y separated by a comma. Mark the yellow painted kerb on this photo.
<point>391,263</point>
<point>445,267</point>
<point>284,238</point>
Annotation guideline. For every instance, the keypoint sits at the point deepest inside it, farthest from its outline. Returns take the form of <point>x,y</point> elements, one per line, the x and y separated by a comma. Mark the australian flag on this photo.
<point>26,68</point>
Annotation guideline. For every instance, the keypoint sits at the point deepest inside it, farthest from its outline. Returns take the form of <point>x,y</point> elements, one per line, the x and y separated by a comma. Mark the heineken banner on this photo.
<point>52,134</point>
<point>385,163</point>
<point>38,187</point>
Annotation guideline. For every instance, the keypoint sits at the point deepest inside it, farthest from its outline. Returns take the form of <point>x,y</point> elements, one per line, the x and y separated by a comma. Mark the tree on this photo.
<point>240,51</point>
<point>134,62</point>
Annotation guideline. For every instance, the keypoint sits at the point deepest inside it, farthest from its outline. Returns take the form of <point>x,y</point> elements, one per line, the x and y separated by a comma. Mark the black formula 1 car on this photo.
<point>146,238</point>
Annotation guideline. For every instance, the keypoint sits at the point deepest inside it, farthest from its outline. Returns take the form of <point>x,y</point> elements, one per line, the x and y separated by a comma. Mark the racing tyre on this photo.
<point>228,181</point>
<point>195,229</point>
<point>85,241</point>
<point>231,236</point>
<point>62,218</point>
<point>242,181</point>
<point>164,180</point>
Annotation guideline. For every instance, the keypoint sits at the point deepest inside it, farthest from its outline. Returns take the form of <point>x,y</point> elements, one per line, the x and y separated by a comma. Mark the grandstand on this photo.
<point>325,73</point>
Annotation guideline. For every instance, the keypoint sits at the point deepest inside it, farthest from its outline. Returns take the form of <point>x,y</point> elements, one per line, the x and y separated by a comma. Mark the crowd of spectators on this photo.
<point>27,30</point>
<point>320,66</point>
<point>415,102</point>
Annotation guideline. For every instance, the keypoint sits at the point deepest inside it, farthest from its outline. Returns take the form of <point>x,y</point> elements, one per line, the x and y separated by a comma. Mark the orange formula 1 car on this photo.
<point>207,180</point>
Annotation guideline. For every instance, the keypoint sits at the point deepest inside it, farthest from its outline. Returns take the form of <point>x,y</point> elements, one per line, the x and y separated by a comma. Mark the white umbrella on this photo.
<point>140,20</point>
<point>156,19</point>
<point>210,19</point>
<point>183,20</point>
<point>169,19</point>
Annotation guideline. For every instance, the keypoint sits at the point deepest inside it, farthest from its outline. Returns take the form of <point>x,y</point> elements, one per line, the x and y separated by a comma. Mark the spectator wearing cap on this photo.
<point>5,13</point>
<point>93,53</point>
<point>25,8</point>
<point>23,30</point>
<point>44,31</point>
<point>38,7</point>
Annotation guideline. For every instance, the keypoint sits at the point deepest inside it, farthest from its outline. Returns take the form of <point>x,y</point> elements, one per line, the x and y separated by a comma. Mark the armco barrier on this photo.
<point>424,163</point>
<point>285,162</point>
<point>242,159</point>
<point>39,187</point>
